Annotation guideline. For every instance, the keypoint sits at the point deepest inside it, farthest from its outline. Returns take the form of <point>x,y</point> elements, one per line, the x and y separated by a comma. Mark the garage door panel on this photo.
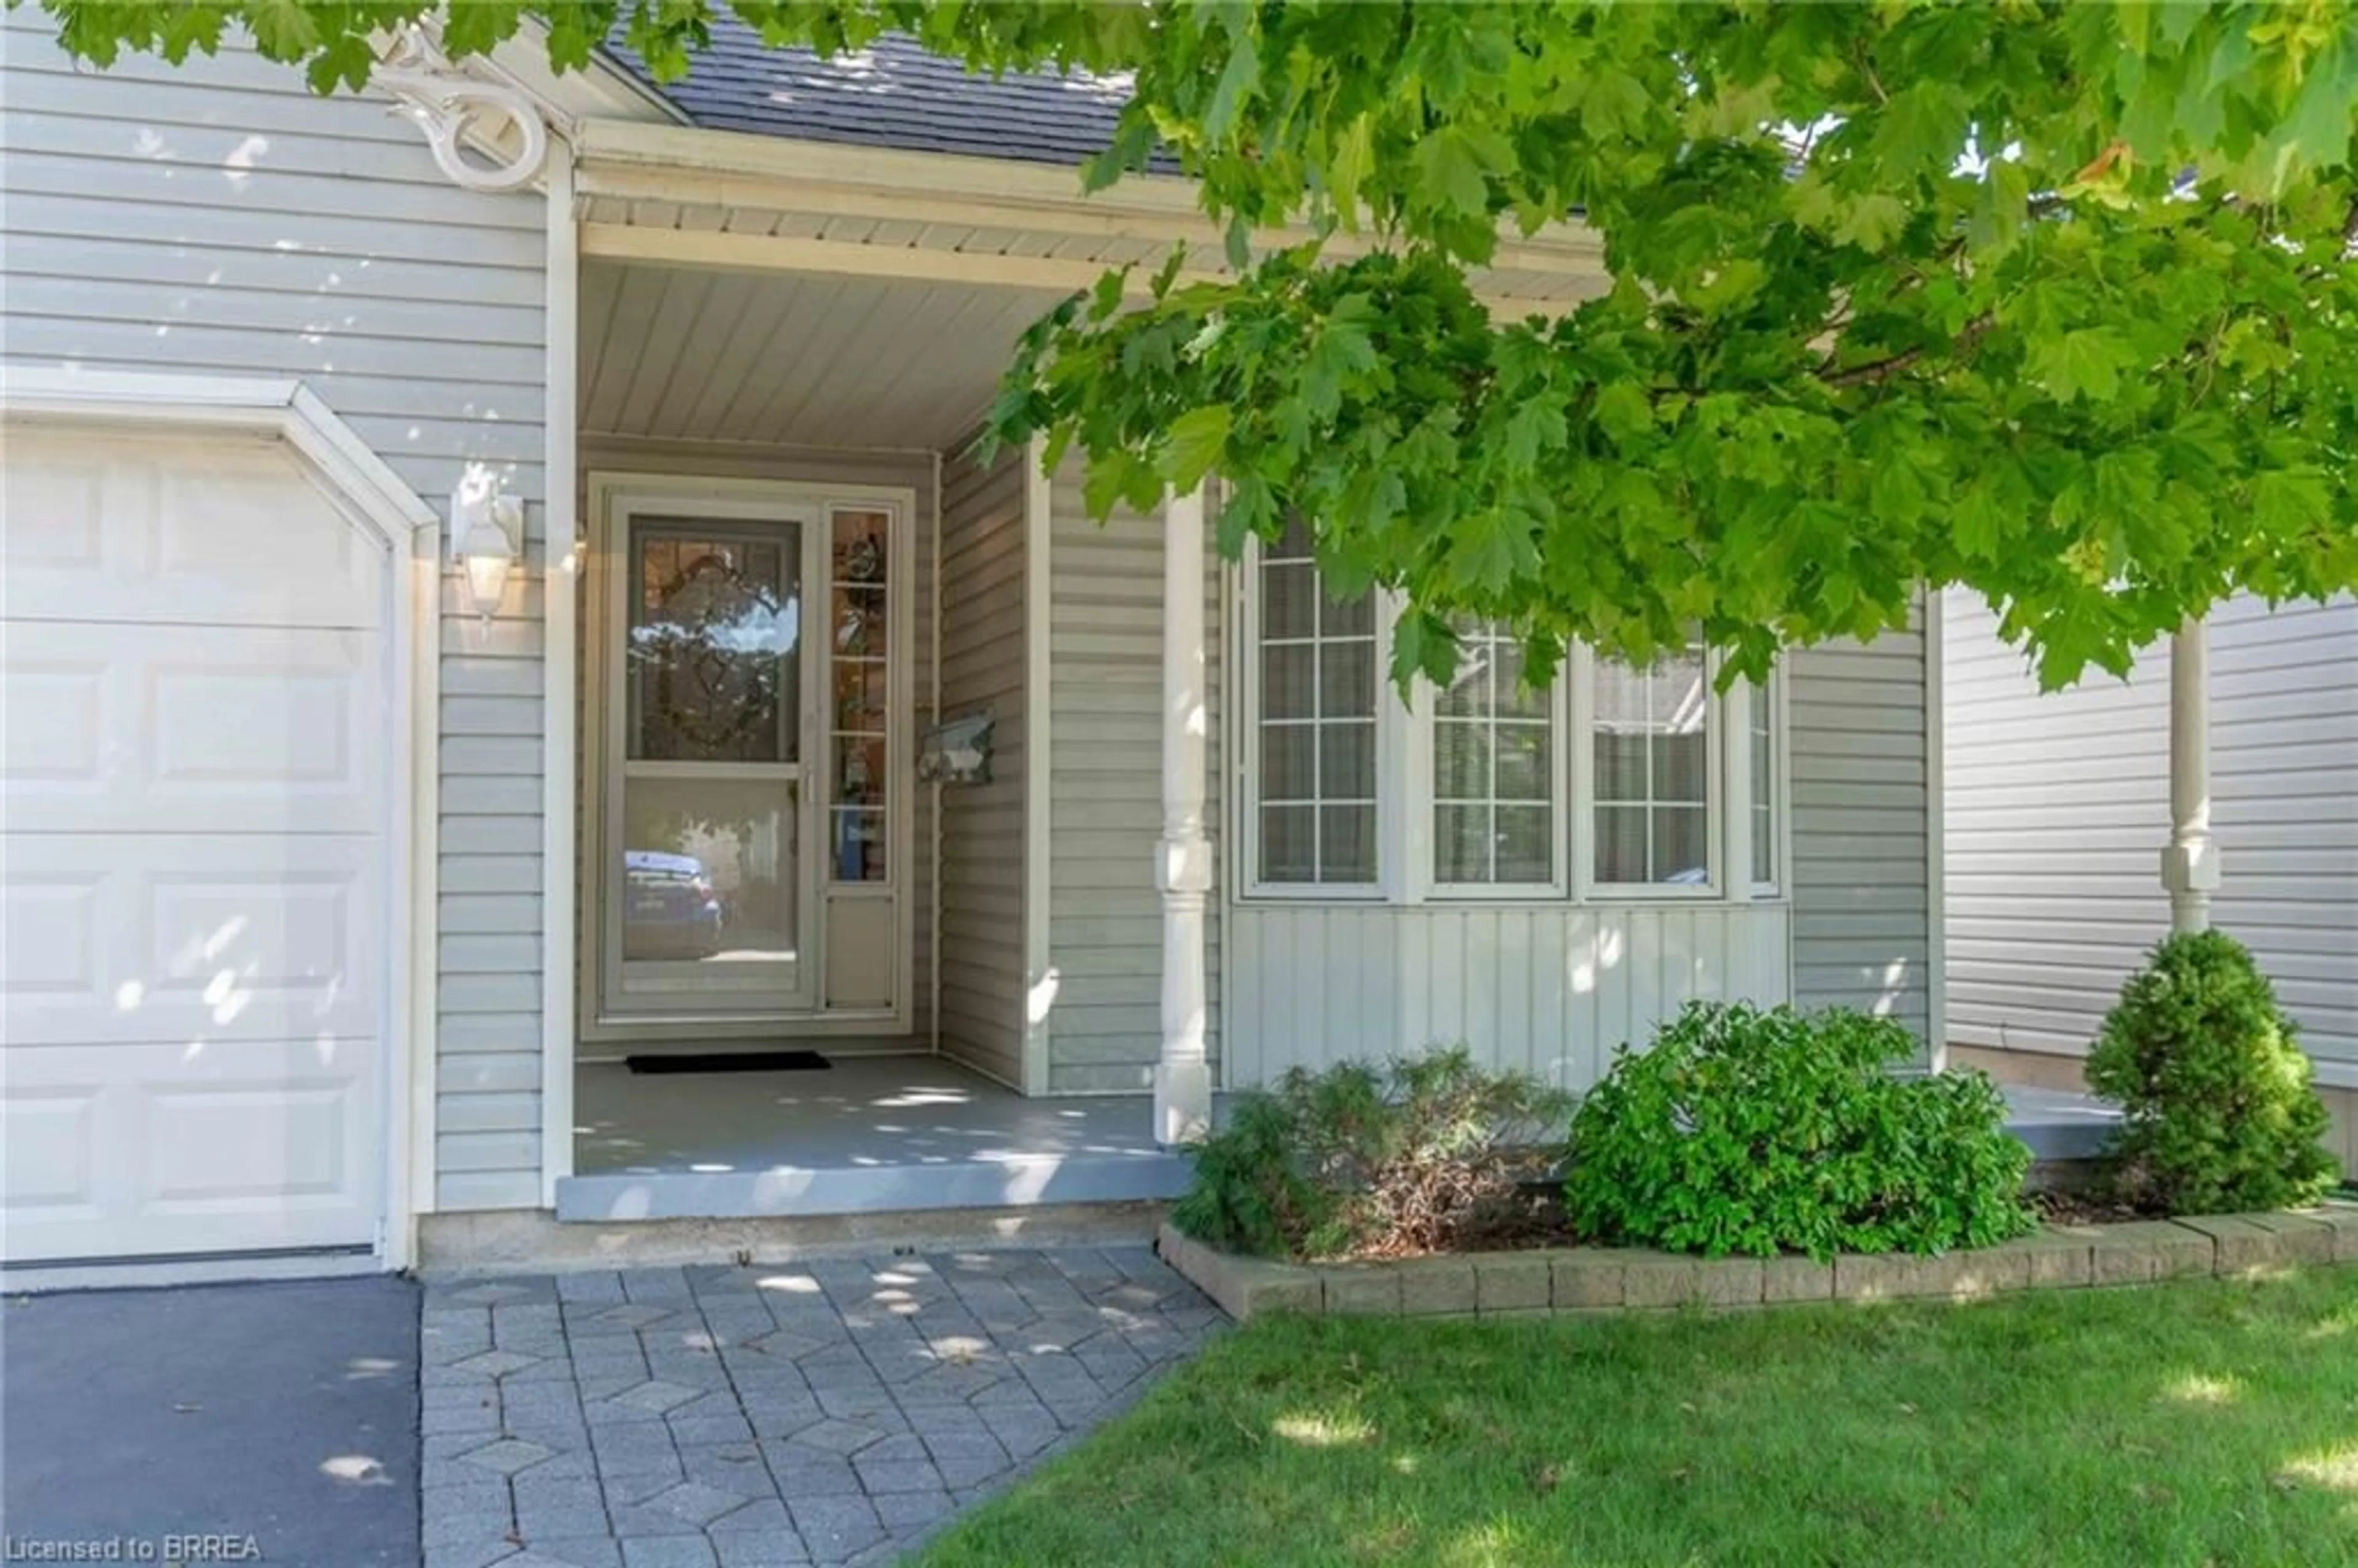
<point>247,1145</point>
<point>52,710</point>
<point>196,804</point>
<point>191,730</point>
<point>131,940</point>
<point>48,1144</point>
<point>228,531</point>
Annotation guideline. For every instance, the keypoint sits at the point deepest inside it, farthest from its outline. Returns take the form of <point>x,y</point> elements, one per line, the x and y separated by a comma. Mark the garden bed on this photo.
<point>1542,1282</point>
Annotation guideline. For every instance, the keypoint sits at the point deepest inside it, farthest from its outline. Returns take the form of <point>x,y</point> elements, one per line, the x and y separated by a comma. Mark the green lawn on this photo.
<point>2197,1423</point>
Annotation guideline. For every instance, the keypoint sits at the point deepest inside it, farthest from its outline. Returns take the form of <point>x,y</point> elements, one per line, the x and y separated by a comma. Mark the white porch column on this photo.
<point>1183,1079</point>
<point>2190,866</point>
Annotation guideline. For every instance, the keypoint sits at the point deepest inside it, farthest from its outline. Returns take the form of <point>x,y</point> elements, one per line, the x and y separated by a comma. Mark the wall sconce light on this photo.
<point>486,534</point>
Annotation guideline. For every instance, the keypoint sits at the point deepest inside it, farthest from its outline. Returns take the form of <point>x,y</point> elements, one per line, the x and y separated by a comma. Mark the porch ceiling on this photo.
<point>792,359</point>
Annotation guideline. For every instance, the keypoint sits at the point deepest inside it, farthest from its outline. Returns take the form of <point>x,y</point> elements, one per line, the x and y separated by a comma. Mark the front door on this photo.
<point>746,668</point>
<point>711,887</point>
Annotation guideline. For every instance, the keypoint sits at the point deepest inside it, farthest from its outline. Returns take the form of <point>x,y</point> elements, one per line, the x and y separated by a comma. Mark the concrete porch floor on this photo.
<point>2058,1124</point>
<point>895,1134</point>
<point>869,1134</point>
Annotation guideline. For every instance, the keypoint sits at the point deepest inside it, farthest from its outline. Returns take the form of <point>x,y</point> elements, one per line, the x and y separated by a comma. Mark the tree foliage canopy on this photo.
<point>2054,301</point>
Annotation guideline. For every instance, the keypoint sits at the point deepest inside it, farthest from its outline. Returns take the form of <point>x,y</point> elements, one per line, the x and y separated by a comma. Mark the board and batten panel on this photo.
<point>1550,990</point>
<point>1858,744</point>
<point>2058,806</point>
<point>219,218</point>
<point>1105,677</point>
<point>984,671</point>
<point>603,452</point>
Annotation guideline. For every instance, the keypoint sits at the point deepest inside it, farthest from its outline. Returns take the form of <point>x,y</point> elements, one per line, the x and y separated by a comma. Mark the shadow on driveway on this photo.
<point>283,1412</point>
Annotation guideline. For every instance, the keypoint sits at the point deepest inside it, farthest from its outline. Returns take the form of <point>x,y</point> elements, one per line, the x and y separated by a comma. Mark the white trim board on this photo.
<point>375,498</point>
<point>1039,720</point>
<point>1936,832</point>
<point>560,712</point>
<point>688,164</point>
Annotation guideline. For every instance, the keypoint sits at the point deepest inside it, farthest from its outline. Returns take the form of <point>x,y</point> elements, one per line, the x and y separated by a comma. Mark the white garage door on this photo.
<point>194,851</point>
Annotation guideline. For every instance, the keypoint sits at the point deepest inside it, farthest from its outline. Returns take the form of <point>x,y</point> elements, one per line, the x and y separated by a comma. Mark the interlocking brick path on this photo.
<point>831,1412</point>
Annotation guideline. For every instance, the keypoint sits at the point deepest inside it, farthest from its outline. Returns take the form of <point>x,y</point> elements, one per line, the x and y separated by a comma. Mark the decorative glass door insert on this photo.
<point>714,891</point>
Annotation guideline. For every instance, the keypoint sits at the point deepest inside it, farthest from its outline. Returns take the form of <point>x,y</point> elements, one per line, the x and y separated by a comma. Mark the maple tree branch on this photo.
<point>1892,364</point>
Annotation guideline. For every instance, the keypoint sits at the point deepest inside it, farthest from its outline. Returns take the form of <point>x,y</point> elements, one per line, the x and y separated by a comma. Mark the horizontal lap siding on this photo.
<point>219,218</point>
<point>2058,806</point>
<point>2057,809</point>
<point>1861,856</point>
<point>983,669</point>
<point>1550,991</point>
<point>2284,768</point>
<point>1105,675</point>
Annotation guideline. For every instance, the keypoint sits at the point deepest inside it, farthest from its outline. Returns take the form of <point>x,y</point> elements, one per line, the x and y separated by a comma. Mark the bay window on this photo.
<point>1609,784</point>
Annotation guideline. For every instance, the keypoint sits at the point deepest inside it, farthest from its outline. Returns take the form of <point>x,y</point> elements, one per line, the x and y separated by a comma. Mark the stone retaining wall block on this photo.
<point>2242,1245</point>
<point>2305,1239</point>
<point>1429,1285</point>
<point>1513,1281</point>
<point>1588,1277</point>
<point>1366,1289</point>
<point>1796,1280</point>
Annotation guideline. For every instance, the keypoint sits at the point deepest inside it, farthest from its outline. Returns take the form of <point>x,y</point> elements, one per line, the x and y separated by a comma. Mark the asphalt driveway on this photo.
<point>282,1412</point>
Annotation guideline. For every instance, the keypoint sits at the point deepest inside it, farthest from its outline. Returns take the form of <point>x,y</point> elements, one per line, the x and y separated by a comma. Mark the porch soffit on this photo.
<point>805,359</point>
<point>690,196</point>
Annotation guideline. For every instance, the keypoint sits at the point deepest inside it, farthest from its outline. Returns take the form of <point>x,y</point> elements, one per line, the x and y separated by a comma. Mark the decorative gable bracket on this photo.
<point>504,135</point>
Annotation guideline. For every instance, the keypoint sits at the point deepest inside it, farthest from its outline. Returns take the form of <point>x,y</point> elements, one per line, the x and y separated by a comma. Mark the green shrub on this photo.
<point>1414,1156</point>
<point>2207,1066</point>
<point>1758,1133</point>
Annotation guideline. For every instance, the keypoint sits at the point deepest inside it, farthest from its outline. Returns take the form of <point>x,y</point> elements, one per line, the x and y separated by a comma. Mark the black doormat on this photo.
<point>731,1062</point>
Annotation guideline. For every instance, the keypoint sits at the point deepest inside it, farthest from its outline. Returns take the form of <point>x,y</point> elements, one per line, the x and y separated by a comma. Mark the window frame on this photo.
<point>1712,889</point>
<point>1424,809</point>
<point>1246,656</point>
<point>1771,693</point>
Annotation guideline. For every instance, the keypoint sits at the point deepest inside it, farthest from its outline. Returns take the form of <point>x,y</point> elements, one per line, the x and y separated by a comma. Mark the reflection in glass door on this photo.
<point>710,891</point>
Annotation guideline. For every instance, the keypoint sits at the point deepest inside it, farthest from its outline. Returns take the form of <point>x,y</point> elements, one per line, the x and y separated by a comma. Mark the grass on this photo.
<point>2199,1423</point>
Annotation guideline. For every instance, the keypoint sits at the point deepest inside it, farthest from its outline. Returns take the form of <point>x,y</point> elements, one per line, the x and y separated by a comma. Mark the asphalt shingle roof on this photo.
<point>891,94</point>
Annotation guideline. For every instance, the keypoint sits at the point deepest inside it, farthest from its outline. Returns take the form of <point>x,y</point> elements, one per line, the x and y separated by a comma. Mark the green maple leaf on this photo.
<point>2086,361</point>
<point>1194,445</point>
<point>1871,222</point>
<point>1453,166</point>
<point>1923,129</point>
<point>1239,82</point>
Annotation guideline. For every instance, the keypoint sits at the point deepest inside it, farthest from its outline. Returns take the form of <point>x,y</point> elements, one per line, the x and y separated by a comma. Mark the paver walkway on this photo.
<point>831,1412</point>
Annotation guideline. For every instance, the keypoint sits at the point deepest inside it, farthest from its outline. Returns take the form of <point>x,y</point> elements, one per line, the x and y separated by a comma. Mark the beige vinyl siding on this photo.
<point>1857,743</point>
<point>2058,806</point>
<point>2057,810</point>
<point>217,218</point>
<point>913,471</point>
<point>983,670</point>
<point>1104,676</point>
